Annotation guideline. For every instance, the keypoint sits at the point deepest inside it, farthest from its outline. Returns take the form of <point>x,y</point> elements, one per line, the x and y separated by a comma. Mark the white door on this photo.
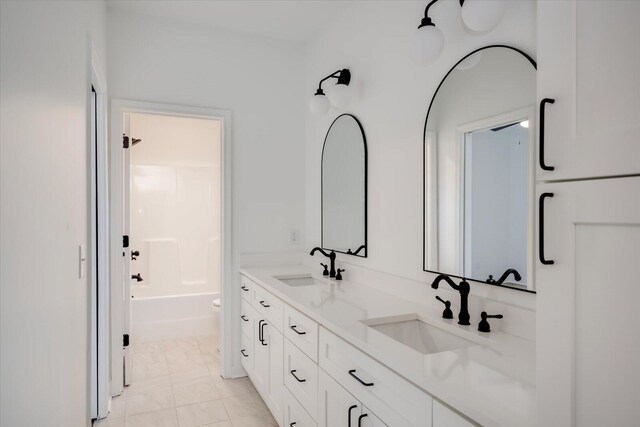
<point>261,357</point>
<point>275,344</point>
<point>336,406</point>
<point>589,63</point>
<point>126,258</point>
<point>588,345</point>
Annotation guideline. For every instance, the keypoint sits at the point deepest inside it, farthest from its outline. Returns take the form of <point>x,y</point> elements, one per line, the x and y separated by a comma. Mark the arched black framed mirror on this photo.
<point>344,187</point>
<point>478,169</point>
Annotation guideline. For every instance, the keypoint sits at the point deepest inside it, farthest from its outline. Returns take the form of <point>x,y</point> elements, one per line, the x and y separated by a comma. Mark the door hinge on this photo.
<point>125,241</point>
<point>125,141</point>
<point>125,340</point>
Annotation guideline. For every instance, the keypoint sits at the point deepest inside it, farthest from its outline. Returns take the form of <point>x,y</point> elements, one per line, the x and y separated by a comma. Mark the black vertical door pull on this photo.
<point>262,332</point>
<point>360,419</point>
<point>543,104</point>
<point>541,229</point>
<point>351,408</point>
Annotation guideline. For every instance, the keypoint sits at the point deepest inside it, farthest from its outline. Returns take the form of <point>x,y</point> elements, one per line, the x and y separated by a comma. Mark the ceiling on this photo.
<point>291,20</point>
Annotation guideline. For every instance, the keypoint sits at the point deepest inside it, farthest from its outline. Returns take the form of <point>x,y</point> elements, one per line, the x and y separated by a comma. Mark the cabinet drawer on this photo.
<point>445,417</point>
<point>246,353</point>
<point>268,306</point>
<point>247,317</point>
<point>301,377</point>
<point>301,331</point>
<point>245,288</point>
<point>294,413</point>
<point>373,384</point>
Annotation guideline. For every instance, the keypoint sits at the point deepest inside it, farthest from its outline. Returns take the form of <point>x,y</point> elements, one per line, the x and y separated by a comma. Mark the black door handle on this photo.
<point>137,277</point>
<point>244,288</point>
<point>243,353</point>
<point>297,331</point>
<point>360,419</point>
<point>351,408</point>
<point>543,103</point>
<point>292,424</point>
<point>293,374</point>
<point>541,229</point>
<point>243,317</point>
<point>264,305</point>
<point>353,374</point>
<point>262,332</point>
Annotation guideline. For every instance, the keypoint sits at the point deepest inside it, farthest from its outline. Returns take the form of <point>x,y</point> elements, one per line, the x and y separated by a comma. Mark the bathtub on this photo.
<point>175,316</point>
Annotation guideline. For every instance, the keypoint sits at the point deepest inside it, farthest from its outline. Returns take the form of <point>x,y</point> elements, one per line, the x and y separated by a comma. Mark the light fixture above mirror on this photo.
<point>339,96</point>
<point>478,15</point>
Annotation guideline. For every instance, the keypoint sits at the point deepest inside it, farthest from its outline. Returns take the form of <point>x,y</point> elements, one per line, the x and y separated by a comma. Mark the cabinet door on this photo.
<point>588,345</point>
<point>589,63</point>
<point>368,419</point>
<point>260,358</point>
<point>336,406</point>
<point>275,396</point>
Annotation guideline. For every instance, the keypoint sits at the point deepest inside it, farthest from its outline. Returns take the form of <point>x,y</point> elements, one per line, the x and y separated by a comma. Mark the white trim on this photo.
<point>99,176</point>
<point>118,108</point>
<point>528,113</point>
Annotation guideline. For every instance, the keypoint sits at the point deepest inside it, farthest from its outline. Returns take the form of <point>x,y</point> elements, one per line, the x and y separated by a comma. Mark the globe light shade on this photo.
<point>319,104</point>
<point>427,45</point>
<point>340,95</point>
<point>482,15</point>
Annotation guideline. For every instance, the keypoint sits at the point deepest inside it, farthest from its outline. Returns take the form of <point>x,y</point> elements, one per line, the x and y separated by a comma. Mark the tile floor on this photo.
<point>176,383</point>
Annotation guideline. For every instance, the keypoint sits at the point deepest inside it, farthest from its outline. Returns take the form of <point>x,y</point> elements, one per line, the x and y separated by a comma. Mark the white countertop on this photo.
<point>493,382</point>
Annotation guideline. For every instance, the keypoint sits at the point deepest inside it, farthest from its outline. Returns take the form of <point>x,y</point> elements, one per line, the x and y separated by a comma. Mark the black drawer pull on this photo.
<point>293,374</point>
<point>244,288</point>
<point>351,408</point>
<point>297,331</point>
<point>353,374</point>
<point>541,229</point>
<point>243,317</point>
<point>264,305</point>
<point>243,353</point>
<point>543,103</point>
<point>292,424</point>
<point>360,419</point>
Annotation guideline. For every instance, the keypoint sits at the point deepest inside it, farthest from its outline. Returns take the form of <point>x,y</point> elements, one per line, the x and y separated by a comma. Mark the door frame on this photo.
<point>99,242</point>
<point>118,108</point>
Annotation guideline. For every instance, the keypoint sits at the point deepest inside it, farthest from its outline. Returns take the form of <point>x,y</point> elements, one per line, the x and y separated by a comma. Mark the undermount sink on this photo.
<point>300,280</point>
<point>420,336</point>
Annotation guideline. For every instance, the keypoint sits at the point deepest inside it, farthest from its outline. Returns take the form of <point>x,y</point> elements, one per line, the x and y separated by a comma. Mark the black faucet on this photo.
<point>332,258</point>
<point>463,288</point>
<point>504,276</point>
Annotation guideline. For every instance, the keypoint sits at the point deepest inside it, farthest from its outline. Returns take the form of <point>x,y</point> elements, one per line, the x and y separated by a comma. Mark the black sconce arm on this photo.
<point>426,20</point>
<point>343,76</point>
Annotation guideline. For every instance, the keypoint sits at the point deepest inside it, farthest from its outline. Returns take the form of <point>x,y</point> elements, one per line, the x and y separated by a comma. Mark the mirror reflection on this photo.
<point>344,187</point>
<point>478,170</point>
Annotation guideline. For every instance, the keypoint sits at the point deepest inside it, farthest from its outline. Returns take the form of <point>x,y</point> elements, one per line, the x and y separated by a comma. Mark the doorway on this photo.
<point>171,167</point>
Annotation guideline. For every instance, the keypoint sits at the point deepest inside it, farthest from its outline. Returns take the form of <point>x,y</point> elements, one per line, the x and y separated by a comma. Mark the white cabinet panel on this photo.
<point>247,315</point>
<point>301,331</point>
<point>588,62</point>
<point>245,288</point>
<point>275,396</point>
<point>261,358</point>
<point>301,377</point>
<point>268,306</point>
<point>294,413</point>
<point>445,417</point>
<point>336,406</point>
<point>246,351</point>
<point>588,344</point>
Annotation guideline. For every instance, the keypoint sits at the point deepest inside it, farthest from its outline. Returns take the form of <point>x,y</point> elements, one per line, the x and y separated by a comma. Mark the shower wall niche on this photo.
<point>175,205</point>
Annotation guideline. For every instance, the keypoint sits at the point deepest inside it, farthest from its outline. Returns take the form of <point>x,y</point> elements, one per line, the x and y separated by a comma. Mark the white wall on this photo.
<point>393,94</point>
<point>175,205</point>
<point>44,186</point>
<point>261,82</point>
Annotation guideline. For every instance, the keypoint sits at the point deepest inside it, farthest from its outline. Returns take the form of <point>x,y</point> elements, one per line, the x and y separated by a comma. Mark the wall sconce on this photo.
<point>339,96</point>
<point>477,15</point>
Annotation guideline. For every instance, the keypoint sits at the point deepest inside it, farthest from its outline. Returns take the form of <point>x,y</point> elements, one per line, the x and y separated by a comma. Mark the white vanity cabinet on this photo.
<point>587,330</point>
<point>445,417</point>
<point>588,62</point>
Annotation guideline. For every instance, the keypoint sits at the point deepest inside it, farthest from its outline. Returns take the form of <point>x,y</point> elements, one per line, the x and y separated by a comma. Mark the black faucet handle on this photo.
<point>339,273</point>
<point>326,270</point>
<point>491,279</point>
<point>447,313</point>
<point>484,326</point>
